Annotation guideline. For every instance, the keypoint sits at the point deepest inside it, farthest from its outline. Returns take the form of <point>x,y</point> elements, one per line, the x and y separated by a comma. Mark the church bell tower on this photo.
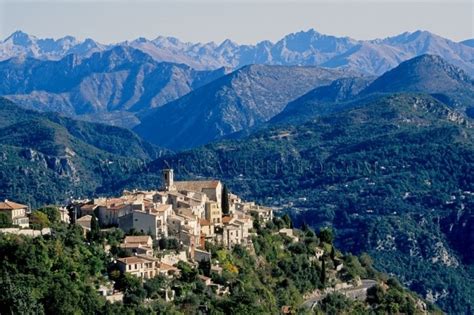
<point>168,179</point>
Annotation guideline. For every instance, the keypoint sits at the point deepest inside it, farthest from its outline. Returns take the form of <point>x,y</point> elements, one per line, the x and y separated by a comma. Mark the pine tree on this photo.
<point>225,201</point>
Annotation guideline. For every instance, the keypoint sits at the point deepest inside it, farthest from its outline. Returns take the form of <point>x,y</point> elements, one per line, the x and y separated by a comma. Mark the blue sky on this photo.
<point>243,21</point>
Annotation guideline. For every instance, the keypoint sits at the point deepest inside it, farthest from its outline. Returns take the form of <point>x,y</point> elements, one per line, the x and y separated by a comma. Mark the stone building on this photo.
<point>16,212</point>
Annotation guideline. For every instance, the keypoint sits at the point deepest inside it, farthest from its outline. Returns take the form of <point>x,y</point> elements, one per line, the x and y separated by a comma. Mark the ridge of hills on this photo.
<point>391,175</point>
<point>309,48</point>
<point>46,158</point>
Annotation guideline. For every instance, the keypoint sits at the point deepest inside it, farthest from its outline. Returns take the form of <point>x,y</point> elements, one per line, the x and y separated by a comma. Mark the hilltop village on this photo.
<point>186,214</point>
<point>192,238</point>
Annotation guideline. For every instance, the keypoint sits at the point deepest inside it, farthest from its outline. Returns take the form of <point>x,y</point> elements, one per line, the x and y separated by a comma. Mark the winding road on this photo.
<point>356,293</point>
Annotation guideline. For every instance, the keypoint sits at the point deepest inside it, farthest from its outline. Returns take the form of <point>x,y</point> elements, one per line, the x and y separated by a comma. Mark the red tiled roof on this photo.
<point>162,208</point>
<point>136,239</point>
<point>114,202</point>
<point>196,185</point>
<point>10,205</point>
<point>226,219</point>
<point>164,266</point>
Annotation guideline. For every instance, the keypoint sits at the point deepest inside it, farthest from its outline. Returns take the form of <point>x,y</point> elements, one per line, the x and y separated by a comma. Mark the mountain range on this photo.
<point>238,101</point>
<point>374,138</point>
<point>108,86</point>
<point>126,87</point>
<point>426,74</point>
<point>302,48</point>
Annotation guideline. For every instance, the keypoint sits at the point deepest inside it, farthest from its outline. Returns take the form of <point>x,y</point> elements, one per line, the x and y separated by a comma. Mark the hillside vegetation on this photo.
<point>392,175</point>
<point>61,274</point>
<point>46,158</point>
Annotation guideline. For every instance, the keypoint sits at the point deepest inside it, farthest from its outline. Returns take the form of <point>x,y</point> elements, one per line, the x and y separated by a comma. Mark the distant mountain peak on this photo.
<point>20,38</point>
<point>227,43</point>
<point>468,42</point>
<point>307,47</point>
<point>167,41</point>
<point>140,40</point>
<point>424,69</point>
<point>433,63</point>
<point>90,42</point>
<point>125,52</point>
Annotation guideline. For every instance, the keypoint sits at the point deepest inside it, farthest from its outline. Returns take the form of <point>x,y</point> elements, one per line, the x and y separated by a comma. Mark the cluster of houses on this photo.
<point>18,217</point>
<point>141,261</point>
<point>189,212</point>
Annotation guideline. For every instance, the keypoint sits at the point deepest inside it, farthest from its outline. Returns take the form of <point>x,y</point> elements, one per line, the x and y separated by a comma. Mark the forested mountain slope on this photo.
<point>48,158</point>
<point>240,100</point>
<point>391,175</point>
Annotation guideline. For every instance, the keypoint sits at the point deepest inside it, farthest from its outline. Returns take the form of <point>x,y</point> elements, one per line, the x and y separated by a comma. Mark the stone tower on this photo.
<point>168,179</point>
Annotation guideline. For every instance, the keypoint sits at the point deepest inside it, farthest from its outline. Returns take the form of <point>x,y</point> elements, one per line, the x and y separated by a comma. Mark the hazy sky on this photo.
<point>242,21</point>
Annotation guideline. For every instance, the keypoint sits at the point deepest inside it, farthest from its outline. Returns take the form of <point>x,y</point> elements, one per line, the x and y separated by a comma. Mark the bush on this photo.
<point>39,220</point>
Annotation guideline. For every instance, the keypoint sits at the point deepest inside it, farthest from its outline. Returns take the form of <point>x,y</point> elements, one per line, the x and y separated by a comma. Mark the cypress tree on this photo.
<point>95,229</point>
<point>225,201</point>
<point>323,272</point>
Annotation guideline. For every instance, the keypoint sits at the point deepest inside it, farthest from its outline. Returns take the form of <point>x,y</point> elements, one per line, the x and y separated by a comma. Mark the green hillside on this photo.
<point>47,158</point>
<point>61,275</point>
<point>391,176</point>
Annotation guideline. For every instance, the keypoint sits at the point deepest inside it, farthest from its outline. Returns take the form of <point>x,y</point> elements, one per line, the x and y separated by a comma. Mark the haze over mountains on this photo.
<point>243,99</point>
<point>139,85</point>
<point>426,74</point>
<point>111,85</point>
<point>372,137</point>
<point>301,48</point>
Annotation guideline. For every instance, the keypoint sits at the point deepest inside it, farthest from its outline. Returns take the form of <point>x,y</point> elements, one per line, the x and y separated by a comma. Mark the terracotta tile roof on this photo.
<point>177,194</point>
<point>162,208</point>
<point>10,205</point>
<point>167,267</point>
<point>137,239</point>
<point>114,202</point>
<point>187,213</point>
<point>226,219</point>
<point>196,185</point>
<point>117,207</point>
<point>148,258</point>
